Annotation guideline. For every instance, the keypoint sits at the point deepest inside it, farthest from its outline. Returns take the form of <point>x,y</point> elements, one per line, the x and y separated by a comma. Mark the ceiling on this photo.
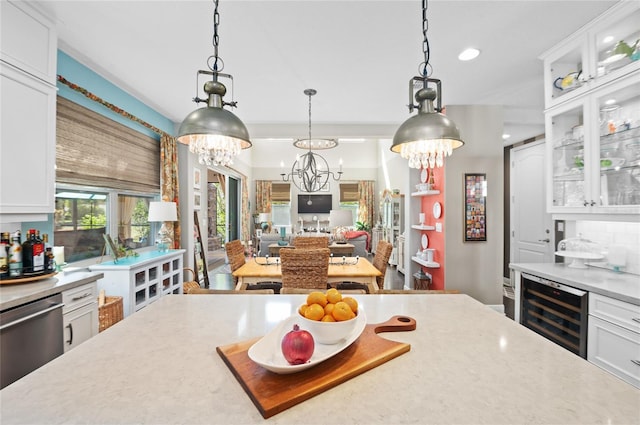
<point>359,55</point>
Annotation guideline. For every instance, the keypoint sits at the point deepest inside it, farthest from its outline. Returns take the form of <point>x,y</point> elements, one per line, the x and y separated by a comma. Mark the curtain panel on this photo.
<point>263,196</point>
<point>366,199</point>
<point>169,181</point>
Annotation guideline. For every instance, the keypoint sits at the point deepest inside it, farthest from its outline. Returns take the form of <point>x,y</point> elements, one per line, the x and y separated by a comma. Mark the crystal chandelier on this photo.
<point>427,138</point>
<point>310,172</point>
<point>214,133</point>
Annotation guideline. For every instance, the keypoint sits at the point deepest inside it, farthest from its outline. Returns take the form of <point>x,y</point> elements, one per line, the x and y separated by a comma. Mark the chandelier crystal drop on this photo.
<point>427,138</point>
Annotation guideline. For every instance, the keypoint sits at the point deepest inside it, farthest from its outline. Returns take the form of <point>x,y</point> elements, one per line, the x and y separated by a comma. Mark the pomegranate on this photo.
<point>297,346</point>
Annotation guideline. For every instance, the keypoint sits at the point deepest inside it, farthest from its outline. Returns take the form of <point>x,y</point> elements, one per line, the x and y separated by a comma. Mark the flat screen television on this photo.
<point>320,204</point>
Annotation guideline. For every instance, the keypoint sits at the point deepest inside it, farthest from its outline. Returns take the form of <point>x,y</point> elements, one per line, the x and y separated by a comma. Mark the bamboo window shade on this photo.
<point>349,192</point>
<point>92,150</point>
<point>281,192</point>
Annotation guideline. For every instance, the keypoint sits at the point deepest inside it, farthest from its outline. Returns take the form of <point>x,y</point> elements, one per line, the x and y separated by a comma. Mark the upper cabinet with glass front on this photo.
<point>601,52</point>
<point>593,124</point>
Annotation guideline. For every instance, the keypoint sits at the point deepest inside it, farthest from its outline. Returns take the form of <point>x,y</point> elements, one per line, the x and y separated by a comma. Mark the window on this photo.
<point>281,204</point>
<point>83,215</point>
<point>349,198</point>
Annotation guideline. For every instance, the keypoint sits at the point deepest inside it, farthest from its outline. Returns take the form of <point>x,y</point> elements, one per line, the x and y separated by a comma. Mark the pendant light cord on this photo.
<point>218,64</point>
<point>425,66</point>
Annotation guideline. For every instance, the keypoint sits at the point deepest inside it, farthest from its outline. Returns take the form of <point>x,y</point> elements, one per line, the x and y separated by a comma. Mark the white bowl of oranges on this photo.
<point>329,316</point>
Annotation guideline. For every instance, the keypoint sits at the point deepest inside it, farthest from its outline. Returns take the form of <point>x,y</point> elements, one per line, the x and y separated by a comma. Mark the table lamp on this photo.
<point>264,219</point>
<point>340,220</point>
<point>163,212</point>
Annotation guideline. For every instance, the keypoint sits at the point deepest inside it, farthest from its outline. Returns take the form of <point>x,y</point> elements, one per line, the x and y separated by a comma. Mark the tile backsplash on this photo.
<point>609,233</point>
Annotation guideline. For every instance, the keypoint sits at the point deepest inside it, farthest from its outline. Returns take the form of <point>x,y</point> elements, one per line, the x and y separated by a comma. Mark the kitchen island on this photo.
<point>467,364</point>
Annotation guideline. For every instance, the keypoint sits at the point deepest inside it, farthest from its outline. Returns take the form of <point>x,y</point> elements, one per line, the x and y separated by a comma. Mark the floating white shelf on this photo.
<point>431,265</point>
<point>426,193</point>
<point>422,227</point>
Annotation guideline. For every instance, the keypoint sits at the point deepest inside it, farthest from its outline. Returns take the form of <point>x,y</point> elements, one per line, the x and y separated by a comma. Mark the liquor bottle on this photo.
<point>5,244</point>
<point>15,256</point>
<point>48,254</point>
<point>32,254</point>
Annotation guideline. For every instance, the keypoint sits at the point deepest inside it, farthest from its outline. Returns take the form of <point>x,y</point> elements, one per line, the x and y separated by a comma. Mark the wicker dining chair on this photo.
<point>310,242</point>
<point>309,290</point>
<point>235,254</point>
<point>188,285</point>
<point>305,268</point>
<point>381,260</point>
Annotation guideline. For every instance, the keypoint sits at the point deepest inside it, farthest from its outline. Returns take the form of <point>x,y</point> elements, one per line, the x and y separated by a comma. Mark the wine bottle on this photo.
<point>5,245</point>
<point>32,254</point>
<point>15,256</point>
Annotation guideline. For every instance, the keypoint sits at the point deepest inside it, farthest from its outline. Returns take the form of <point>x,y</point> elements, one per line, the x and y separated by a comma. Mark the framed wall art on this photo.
<point>197,176</point>
<point>196,201</point>
<point>475,207</point>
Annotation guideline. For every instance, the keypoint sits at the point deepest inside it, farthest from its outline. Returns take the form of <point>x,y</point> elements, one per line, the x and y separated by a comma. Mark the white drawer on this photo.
<point>619,312</point>
<point>79,296</point>
<point>614,349</point>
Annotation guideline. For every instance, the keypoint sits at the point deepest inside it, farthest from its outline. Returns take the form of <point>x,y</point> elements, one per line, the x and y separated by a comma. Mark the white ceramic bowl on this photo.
<point>329,332</point>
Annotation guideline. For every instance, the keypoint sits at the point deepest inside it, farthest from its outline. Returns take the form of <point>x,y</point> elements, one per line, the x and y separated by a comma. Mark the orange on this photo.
<point>317,297</point>
<point>302,309</point>
<point>352,303</point>
<point>342,312</point>
<point>333,295</point>
<point>314,312</point>
<point>328,318</point>
<point>328,309</point>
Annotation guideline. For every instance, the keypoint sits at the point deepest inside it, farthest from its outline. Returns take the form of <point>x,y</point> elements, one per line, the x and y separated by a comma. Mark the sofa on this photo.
<point>360,241</point>
<point>267,239</point>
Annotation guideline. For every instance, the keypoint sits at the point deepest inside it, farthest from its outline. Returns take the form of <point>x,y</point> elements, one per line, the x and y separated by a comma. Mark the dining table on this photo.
<point>341,269</point>
<point>466,364</point>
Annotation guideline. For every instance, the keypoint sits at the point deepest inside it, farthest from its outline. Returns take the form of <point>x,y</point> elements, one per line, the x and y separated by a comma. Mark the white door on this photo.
<point>531,225</point>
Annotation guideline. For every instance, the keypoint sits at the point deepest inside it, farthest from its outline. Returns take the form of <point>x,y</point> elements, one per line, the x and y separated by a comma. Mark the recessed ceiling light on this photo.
<point>505,136</point>
<point>469,54</point>
<point>607,39</point>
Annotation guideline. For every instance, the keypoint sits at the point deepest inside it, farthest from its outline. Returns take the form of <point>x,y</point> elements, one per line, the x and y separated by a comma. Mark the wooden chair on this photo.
<point>235,254</point>
<point>381,260</point>
<point>305,268</point>
<point>311,242</point>
<point>188,285</point>
<point>201,291</point>
<point>309,290</point>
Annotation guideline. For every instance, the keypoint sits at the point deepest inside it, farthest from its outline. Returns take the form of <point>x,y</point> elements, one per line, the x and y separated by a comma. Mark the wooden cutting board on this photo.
<point>272,393</point>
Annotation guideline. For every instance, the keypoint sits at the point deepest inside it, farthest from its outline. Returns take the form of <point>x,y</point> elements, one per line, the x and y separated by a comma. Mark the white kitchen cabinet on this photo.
<point>393,223</point>
<point>585,60</point>
<point>592,120</point>
<point>593,143</point>
<point>27,112</point>
<point>142,280</point>
<point>79,315</point>
<point>401,258</point>
<point>613,341</point>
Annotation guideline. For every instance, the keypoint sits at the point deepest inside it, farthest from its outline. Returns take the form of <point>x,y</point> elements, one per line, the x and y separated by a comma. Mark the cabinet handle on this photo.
<point>636,319</point>
<point>85,295</point>
<point>636,362</point>
<point>593,203</point>
<point>70,334</point>
<point>544,240</point>
<point>585,203</point>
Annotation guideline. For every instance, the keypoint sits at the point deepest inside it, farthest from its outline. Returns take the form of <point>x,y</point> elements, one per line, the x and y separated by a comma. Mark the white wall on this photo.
<point>475,268</point>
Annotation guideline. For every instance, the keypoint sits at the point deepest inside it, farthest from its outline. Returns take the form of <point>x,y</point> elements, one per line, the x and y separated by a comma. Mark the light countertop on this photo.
<point>467,364</point>
<point>621,286</point>
<point>12,295</point>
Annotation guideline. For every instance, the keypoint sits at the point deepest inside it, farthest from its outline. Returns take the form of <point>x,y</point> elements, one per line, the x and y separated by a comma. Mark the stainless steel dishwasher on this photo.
<point>30,336</point>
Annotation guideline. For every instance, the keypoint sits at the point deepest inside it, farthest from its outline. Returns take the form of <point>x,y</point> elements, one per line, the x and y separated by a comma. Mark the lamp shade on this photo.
<point>340,218</point>
<point>264,217</point>
<point>162,211</point>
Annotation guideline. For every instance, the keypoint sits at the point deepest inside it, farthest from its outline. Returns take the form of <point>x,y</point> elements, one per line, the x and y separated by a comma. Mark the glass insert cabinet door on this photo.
<point>595,150</point>
<point>618,136</point>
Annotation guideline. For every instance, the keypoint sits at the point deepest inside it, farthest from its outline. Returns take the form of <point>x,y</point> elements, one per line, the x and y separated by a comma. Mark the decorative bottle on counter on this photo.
<point>49,264</point>
<point>15,256</point>
<point>32,254</point>
<point>5,245</point>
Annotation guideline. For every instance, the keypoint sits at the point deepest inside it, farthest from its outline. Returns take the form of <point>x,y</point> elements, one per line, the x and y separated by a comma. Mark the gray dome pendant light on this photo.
<point>426,138</point>
<point>212,132</point>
